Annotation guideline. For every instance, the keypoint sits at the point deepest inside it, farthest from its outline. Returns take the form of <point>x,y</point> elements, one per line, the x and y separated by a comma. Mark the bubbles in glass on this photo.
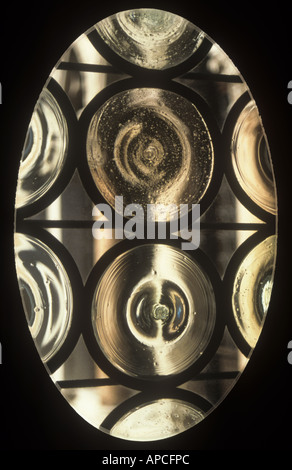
<point>150,38</point>
<point>46,294</point>
<point>44,152</point>
<point>251,159</point>
<point>152,146</point>
<point>153,311</point>
<point>252,289</point>
<point>160,419</point>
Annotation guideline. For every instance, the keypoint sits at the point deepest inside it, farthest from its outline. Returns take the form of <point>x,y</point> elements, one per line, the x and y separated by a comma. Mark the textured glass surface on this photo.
<point>151,321</point>
<point>157,420</point>
<point>251,159</point>
<point>46,294</point>
<point>152,146</point>
<point>153,311</point>
<point>150,38</point>
<point>44,151</point>
<point>252,289</point>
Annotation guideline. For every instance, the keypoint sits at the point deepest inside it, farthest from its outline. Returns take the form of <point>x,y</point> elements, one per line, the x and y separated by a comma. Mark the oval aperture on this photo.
<point>146,225</point>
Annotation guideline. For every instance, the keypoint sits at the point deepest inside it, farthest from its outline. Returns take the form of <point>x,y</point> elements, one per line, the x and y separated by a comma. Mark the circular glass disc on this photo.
<point>44,151</point>
<point>153,311</point>
<point>152,146</point>
<point>251,159</point>
<point>252,290</point>
<point>150,38</point>
<point>46,294</point>
<point>162,418</point>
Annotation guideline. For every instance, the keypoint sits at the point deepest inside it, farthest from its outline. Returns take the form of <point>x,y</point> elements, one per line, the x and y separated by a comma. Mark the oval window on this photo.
<point>146,225</point>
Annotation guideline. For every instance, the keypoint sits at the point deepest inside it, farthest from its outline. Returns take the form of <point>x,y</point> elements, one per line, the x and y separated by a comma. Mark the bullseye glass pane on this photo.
<point>152,146</point>
<point>44,151</point>
<point>150,38</point>
<point>252,289</point>
<point>153,311</point>
<point>46,294</point>
<point>251,159</point>
<point>157,420</point>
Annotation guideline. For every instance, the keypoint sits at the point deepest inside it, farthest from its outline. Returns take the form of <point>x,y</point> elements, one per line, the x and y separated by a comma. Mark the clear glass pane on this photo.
<point>44,151</point>
<point>46,294</point>
<point>153,311</point>
<point>153,39</point>
<point>152,146</point>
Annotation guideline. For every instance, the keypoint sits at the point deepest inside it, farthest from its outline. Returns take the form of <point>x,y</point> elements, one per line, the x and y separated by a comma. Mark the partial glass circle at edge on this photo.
<point>161,419</point>
<point>45,292</point>
<point>150,38</point>
<point>252,290</point>
<point>44,151</point>
<point>251,159</point>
